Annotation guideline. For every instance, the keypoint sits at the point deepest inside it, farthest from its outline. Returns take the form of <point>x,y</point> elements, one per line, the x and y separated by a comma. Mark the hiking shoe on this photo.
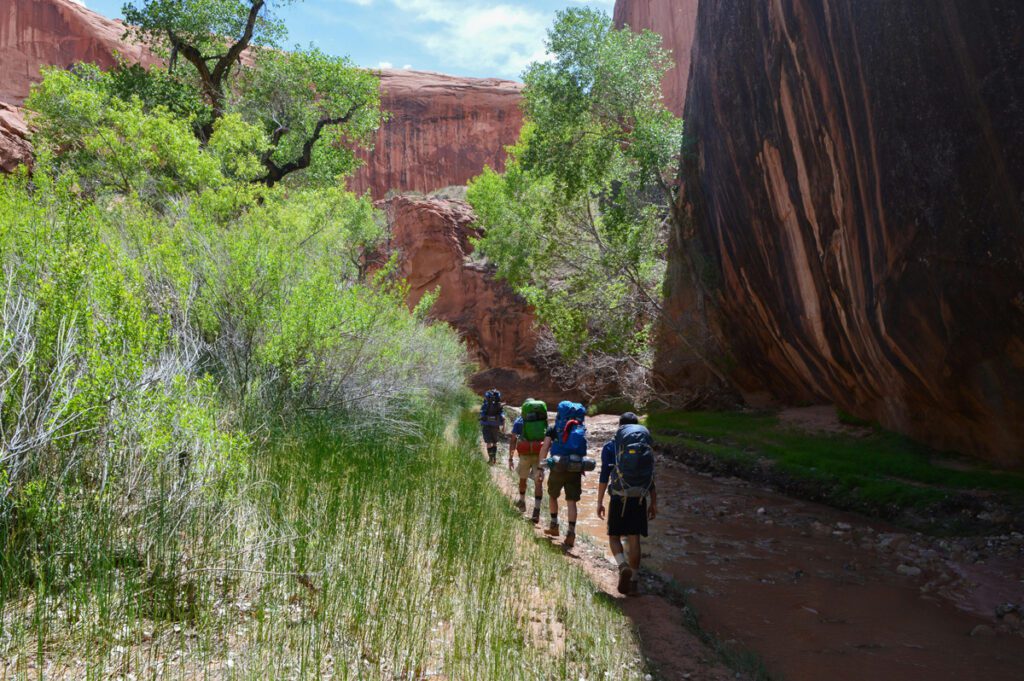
<point>521,505</point>
<point>536,516</point>
<point>552,530</point>
<point>570,539</point>
<point>625,579</point>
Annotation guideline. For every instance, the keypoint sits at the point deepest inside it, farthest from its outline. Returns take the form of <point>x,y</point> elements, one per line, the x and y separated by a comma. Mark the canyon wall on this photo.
<point>37,33</point>
<point>856,182</point>
<point>14,147</point>
<point>676,21</point>
<point>442,131</point>
<point>432,238</point>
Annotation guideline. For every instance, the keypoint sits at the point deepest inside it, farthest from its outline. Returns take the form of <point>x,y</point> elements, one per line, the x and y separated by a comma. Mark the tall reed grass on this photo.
<point>347,554</point>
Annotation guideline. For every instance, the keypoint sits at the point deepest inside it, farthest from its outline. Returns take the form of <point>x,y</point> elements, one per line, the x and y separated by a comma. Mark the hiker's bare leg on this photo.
<point>633,541</point>
<point>572,511</point>
<point>615,544</point>
<point>553,529</point>
<point>522,486</point>
<point>622,563</point>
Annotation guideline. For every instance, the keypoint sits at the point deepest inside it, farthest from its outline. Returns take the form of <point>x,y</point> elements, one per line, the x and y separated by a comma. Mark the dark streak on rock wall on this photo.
<point>857,181</point>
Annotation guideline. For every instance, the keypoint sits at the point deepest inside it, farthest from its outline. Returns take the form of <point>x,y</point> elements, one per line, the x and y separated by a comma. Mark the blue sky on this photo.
<point>460,37</point>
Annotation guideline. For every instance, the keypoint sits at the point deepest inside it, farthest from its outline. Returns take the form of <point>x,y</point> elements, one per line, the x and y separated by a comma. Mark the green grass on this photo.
<point>346,557</point>
<point>876,469</point>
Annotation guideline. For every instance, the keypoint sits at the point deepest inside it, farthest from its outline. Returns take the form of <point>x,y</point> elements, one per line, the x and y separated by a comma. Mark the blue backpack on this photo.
<point>634,462</point>
<point>570,431</point>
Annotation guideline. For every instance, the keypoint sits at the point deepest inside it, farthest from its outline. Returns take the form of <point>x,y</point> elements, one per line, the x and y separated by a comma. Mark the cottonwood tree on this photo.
<point>579,222</point>
<point>315,110</point>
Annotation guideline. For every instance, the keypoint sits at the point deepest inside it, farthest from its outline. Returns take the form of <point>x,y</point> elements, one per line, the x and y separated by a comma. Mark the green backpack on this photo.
<point>535,420</point>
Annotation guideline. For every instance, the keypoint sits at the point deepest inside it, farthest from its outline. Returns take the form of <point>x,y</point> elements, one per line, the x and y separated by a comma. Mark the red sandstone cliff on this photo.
<point>676,21</point>
<point>432,237</point>
<point>14,147</point>
<point>857,183</point>
<point>443,129</point>
<point>36,33</point>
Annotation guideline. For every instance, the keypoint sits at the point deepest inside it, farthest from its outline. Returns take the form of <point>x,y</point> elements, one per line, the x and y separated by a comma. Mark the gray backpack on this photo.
<point>634,462</point>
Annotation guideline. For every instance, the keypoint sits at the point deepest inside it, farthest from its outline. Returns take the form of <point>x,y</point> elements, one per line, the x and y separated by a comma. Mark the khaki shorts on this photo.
<point>572,483</point>
<point>528,463</point>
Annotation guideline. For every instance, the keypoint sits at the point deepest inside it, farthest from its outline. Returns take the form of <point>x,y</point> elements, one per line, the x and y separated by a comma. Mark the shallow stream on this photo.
<point>820,594</point>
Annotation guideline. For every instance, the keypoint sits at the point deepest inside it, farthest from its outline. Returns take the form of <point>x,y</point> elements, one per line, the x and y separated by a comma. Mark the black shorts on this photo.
<point>491,433</point>
<point>626,516</point>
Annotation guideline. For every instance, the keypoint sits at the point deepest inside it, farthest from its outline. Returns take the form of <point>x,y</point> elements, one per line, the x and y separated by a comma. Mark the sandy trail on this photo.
<point>815,592</point>
<point>674,652</point>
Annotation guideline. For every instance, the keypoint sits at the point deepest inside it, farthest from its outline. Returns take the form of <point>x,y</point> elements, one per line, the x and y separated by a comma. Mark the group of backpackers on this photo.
<point>627,472</point>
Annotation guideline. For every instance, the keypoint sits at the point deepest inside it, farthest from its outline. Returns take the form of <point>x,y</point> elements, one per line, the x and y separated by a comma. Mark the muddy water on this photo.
<point>817,593</point>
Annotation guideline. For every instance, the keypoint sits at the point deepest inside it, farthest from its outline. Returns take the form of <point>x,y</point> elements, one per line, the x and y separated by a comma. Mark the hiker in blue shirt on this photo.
<point>492,422</point>
<point>631,489</point>
<point>529,466</point>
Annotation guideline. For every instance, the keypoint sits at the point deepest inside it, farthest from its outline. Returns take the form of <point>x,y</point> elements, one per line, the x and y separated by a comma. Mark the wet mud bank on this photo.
<point>820,593</point>
<point>986,517</point>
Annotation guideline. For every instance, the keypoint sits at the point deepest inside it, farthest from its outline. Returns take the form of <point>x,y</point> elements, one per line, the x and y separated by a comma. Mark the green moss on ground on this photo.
<point>871,470</point>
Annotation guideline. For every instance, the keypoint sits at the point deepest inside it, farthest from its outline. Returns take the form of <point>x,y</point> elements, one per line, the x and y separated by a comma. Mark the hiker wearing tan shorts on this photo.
<point>532,420</point>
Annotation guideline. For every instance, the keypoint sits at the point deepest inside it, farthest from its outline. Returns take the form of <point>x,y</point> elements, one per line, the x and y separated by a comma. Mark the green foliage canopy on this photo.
<point>223,58</point>
<point>577,222</point>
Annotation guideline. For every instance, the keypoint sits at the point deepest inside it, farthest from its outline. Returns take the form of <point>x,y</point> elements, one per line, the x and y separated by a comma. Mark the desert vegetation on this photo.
<point>580,221</point>
<point>228,448</point>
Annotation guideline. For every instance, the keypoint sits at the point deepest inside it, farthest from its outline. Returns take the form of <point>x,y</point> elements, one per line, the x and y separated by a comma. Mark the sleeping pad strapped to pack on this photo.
<point>569,446</point>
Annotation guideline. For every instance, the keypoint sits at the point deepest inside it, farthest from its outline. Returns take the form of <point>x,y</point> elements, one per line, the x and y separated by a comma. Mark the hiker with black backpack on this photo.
<point>565,452</point>
<point>492,422</point>
<point>627,471</point>
<point>528,432</point>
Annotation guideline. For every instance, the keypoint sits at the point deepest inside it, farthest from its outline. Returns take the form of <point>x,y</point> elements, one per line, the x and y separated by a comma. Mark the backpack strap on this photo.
<point>569,425</point>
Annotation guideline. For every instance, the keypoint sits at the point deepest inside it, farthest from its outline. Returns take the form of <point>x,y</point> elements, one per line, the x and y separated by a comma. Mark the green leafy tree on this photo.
<point>314,109</point>
<point>579,221</point>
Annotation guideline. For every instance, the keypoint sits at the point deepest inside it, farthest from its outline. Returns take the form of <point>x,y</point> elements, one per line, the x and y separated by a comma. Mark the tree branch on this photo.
<point>275,172</point>
<point>235,51</point>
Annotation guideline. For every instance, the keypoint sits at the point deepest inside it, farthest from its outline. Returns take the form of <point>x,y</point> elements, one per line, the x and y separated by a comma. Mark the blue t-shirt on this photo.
<point>517,427</point>
<point>607,462</point>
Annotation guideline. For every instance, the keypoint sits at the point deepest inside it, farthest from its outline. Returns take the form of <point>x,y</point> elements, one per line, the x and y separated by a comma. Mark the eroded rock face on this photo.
<point>676,21</point>
<point>36,33</point>
<point>14,147</point>
<point>432,237</point>
<point>443,130</point>
<point>857,183</point>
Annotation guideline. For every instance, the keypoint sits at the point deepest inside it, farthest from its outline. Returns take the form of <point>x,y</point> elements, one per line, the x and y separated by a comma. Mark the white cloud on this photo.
<point>479,34</point>
<point>385,65</point>
<point>406,67</point>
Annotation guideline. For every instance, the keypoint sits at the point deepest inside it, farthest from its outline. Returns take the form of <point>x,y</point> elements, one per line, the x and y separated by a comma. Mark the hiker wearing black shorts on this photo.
<point>492,422</point>
<point>634,499</point>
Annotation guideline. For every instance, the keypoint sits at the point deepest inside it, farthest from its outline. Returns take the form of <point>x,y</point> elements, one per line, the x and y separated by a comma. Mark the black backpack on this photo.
<point>634,462</point>
<point>491,409</point>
